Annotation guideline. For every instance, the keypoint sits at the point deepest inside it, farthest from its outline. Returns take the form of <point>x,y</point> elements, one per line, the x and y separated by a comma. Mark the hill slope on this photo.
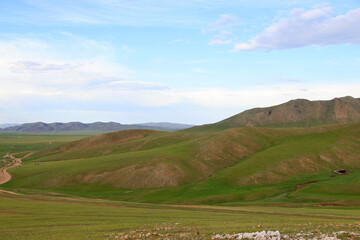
<point>5,125</point>
<point>298,113</point>
<point>143,158</point>
<point>237,164</point>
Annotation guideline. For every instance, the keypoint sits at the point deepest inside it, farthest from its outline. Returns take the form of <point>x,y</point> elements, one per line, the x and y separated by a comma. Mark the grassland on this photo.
<point>201,166</point>
<point>42,215</point>
<point>237,180</point>
<point>27,142</point>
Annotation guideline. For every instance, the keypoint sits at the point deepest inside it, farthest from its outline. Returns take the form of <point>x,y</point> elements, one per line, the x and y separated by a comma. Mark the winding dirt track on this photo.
<point>4,175</point>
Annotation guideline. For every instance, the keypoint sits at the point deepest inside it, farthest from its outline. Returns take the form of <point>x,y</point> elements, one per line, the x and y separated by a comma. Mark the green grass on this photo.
<point>178,152</point>
<point>41,218</point>
<point>254,173</point>
<point>27,142</point>
<point>234,165</point>
<point>344,187</point>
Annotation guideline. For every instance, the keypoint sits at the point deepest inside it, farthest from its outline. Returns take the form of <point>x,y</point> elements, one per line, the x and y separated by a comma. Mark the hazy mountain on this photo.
<point>5,125</point>
<point>96,127</point>
<point>298,113</point>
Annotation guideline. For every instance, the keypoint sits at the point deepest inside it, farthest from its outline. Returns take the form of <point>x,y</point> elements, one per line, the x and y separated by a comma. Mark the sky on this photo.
<point>191,61</point>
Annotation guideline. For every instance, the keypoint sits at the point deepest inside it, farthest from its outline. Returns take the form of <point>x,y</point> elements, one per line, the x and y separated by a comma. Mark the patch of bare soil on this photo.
<point>4,175</point>
<point>299,186</point>
<point>9,192</point>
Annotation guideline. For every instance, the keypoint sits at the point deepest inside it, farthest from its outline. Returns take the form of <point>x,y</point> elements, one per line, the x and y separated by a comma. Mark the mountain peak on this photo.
<point>299,113</point>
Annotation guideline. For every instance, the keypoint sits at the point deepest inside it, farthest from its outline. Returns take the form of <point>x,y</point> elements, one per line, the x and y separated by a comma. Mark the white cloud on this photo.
<point>129,94</point>
<point>37,78</point>
<point>137,85</point>
<point>306,28</point>
<point>33,66</point>
<point>51,63</point>
<point>225,20</point>
<point>224,34</point>
<point>196,61</point>
<point>219,42</point>
<point>290,80</point>
<point>222,25</point>
<point>144,100</point>
<point>190,13</point>
<point>200,70</point>
<point>221,30</point>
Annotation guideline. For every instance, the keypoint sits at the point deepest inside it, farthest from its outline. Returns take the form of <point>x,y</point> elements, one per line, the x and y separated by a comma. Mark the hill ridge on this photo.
<point>298,113</point>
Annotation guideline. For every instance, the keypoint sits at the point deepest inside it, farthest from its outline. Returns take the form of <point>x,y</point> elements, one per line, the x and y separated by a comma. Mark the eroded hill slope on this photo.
<point>143,159</point>
<point>237,164</point>
<point>297,113</point>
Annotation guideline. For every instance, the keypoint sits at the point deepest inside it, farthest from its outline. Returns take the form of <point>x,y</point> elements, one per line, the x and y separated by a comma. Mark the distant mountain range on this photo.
<point>5,125</point>
<point>297,113</point>
<point>94,127</point>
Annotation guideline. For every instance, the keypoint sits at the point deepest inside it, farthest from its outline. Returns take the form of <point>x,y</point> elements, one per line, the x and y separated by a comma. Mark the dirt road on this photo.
<point>4,175</point>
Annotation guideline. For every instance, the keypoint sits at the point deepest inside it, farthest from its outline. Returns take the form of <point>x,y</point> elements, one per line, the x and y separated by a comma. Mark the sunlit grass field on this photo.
<point>222,203</point>
<point>37,216</point>
<point>246,165</point>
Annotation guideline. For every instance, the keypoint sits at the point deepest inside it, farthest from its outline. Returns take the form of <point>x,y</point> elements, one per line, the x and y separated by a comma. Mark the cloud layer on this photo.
<point>39,83</point>
<point>306,28</point>
<point>221,29</point>
<point>118,72</point>
<point>120,12</point>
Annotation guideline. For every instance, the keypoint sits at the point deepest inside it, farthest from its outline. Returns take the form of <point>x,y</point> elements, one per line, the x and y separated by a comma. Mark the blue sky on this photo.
<point>190,61</point>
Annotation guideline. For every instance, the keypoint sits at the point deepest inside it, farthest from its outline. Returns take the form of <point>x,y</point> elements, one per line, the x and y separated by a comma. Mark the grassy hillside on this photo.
<point>141,158</point>
<point>207,166</point>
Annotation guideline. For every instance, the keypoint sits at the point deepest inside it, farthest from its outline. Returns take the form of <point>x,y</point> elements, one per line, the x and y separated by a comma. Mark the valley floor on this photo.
<point>29,214</point>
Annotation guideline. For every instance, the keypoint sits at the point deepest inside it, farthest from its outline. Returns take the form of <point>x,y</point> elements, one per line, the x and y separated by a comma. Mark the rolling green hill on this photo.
<point>217,166</point>
<point>142,158</point>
